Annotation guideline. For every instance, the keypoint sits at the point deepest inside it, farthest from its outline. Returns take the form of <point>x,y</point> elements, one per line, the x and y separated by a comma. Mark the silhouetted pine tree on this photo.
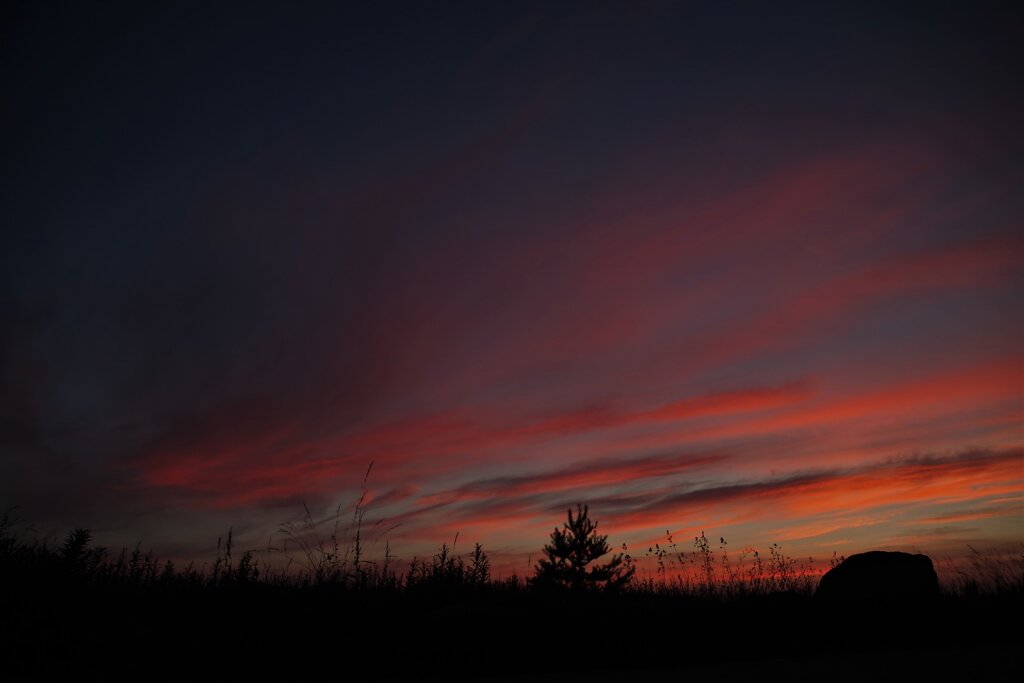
<point>571,555</point>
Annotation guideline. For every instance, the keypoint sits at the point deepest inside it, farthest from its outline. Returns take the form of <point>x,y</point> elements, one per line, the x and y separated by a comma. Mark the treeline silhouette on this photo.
<point>63,604</point>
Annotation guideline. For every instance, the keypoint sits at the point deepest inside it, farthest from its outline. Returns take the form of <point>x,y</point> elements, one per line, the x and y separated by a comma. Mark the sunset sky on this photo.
<point>752,268</point>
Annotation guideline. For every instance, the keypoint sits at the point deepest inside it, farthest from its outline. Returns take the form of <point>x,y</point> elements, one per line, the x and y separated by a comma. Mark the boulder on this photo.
<point>879,576</point>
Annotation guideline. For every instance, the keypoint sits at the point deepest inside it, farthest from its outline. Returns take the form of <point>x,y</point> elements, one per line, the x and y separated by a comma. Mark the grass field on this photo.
<point>329,612</point>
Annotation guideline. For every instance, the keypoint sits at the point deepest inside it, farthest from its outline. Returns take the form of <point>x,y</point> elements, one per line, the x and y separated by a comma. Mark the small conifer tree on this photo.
<point>571,554</point>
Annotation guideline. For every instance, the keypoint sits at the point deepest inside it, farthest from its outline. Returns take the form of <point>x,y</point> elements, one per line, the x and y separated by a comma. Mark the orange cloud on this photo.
<point>276,464</point>
<point>852,492</point>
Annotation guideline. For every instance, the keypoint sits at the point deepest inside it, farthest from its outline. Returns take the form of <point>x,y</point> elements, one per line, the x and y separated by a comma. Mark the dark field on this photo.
<point>70,609</point>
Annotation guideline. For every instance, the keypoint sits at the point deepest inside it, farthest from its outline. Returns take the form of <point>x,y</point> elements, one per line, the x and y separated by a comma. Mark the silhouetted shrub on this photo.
<point>571,556</point>
<point>448,573</point>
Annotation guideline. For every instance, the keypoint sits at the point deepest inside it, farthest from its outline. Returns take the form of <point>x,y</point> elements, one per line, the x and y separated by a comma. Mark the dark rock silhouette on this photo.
<point>880,576</point>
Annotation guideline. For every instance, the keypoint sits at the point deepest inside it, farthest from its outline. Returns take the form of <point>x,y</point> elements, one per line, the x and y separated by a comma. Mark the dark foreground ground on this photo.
<point>72,611</point>
<point>499,635</point>
<point>970,664</point>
